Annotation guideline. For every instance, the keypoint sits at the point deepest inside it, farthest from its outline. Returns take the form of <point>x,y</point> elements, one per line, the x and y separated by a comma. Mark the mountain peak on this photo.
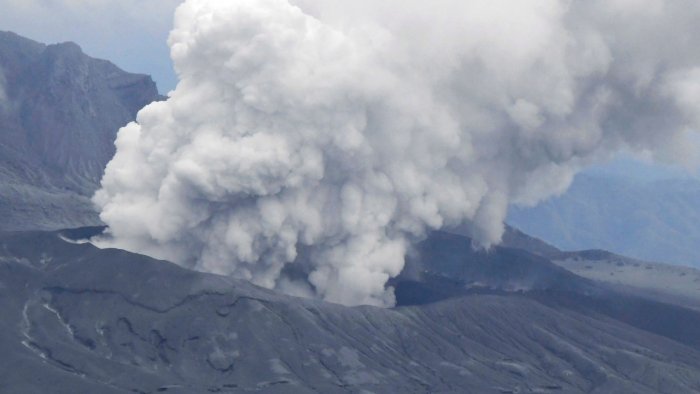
<point>63,109</point>
<point>7,37</point>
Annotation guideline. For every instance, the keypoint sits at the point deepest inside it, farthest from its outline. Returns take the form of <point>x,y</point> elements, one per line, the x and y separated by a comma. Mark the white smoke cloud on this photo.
<point>309,142</point>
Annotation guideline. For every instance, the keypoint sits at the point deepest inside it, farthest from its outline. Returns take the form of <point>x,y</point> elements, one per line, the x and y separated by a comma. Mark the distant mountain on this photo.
<point>656,220</point>
<point>59,114</point>
<point>77,319</point>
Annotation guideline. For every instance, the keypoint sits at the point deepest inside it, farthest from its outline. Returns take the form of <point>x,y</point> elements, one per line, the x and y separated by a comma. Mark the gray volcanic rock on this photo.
<point>59,114</point>
<point>77,319</point>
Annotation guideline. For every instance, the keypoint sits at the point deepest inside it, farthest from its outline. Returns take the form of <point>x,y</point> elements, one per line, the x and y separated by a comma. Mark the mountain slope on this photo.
<point>80,319</point>
<point>654,220</point>
<point>674,284</point>
<point>59,114</point>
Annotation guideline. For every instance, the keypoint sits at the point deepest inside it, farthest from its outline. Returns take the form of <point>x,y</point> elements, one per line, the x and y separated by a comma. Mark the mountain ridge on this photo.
<point>60,113</point>
<point>654,220</point>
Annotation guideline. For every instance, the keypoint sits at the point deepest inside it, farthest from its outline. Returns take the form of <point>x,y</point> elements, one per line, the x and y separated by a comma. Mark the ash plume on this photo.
<point>323,137</point>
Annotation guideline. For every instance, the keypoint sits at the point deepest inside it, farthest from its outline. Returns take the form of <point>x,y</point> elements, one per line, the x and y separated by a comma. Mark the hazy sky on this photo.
<point>130,33</point>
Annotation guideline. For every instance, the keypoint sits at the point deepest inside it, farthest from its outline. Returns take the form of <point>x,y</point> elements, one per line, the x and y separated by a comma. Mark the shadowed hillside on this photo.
<point>59,115</point>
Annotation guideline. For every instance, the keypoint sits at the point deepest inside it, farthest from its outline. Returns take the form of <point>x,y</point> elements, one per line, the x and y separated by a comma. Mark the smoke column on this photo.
<point>310,142</point>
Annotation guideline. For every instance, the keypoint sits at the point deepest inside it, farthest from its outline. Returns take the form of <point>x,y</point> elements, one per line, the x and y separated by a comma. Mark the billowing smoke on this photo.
<point>310,142</point>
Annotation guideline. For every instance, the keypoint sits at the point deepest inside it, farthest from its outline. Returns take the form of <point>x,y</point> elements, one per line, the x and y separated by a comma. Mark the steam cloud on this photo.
<point>310,142</point>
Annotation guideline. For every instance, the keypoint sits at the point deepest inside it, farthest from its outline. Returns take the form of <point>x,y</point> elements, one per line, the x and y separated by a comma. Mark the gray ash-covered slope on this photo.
<point>672,283</point>
<point>675,284</point>
<point>77,319</point>
<point>446,266</point>
<point>59,114</point>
